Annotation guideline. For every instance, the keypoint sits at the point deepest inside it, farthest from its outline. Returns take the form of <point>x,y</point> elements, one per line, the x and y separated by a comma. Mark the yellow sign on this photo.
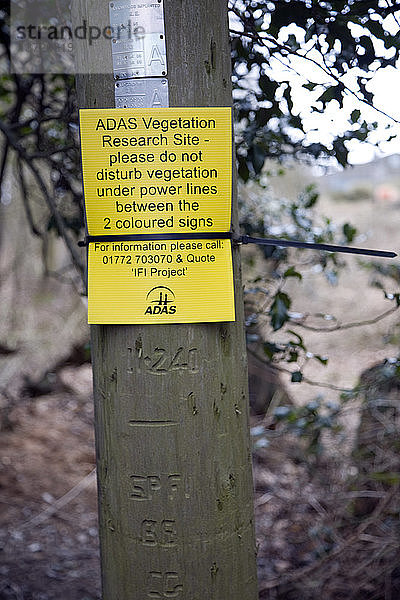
<point>157,170</point>
<point>174,281</point>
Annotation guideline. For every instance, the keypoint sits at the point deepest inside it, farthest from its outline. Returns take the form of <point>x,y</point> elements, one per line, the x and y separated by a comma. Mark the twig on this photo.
<point>61,502</point>
<point>25,201</point>
<point>271,365</point>
<point>392,12</point>
<point>263,500</point>
<point>49,200</point>
<point>52,152</point>
<point>3,162</point>
<point>340,326</point>
<point>300,573</point>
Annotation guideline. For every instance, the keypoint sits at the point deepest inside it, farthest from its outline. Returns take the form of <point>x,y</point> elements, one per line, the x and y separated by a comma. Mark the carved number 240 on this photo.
<point>161,361</point>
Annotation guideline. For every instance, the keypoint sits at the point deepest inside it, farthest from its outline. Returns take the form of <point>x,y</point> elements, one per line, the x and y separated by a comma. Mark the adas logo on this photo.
<point>161,301</point>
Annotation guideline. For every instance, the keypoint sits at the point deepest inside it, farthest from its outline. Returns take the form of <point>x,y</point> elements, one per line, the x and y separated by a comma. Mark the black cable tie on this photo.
<point>246,239</point>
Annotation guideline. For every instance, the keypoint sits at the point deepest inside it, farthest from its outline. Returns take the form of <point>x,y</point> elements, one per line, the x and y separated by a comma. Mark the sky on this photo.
<point>324,127</point>
<point>386,89</point>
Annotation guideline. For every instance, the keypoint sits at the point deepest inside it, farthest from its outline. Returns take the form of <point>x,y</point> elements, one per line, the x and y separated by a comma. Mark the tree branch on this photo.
<point>49,200</point>
<point>306,380</point>
<point>300,573</point>
<point>343,326</point>
<point>25,200</point>
<point>255,36</point>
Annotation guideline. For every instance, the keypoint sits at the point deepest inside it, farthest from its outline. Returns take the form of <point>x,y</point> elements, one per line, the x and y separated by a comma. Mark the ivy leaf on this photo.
<point>279,310</point>
<point>243,169</point>
<point>322,359</point>
<point>257,157</point>
<point>292,42</point>
<point>349,232</point>
<point>340,151</point>
<point>267,86</point>
<point>334,92</point>
<point>288,97</point>
<point>291,272</point>
<point>310,196</point>
<point>309,86</point>
<point>297,377</point>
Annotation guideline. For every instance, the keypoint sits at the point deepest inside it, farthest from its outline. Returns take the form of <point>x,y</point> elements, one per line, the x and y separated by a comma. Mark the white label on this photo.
<point>138,39</point>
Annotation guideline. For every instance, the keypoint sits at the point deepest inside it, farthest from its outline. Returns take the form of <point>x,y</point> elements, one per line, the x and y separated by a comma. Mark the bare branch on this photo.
<point>392,11</point>
<point>25,200</point>
<point>352,539</point>
<point>306,380</point>
<point>49,200</point>
<point>61,502</point>
<point>343,326</point>
<point>51,153</point>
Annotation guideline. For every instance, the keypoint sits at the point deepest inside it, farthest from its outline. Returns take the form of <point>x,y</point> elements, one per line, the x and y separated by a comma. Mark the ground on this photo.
<point>48,522</point>
<point>307,539</point>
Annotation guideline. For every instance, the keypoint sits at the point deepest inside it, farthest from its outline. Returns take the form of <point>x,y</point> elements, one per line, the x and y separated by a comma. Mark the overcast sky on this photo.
<point>386,88</point>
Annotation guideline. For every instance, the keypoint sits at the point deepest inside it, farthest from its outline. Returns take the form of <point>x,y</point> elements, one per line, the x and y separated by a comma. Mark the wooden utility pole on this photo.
<point>171,404</point>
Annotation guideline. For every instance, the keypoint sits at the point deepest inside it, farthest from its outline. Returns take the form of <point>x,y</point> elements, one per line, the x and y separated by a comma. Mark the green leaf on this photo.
<point>310,196</point>
<point>333,92</point>
<point>323,360</point>
<point>297,377</point>
<point>257,155</point>
<point>288,97</point>
<point>299,339</point>
<point>243,169</point>
<point>279,310</point>
<point>291,272</point>
<point>292,42</point>
<point>340,151</point>
<point>310,31</point>
<point>349,232</point>
<point>267,86</point>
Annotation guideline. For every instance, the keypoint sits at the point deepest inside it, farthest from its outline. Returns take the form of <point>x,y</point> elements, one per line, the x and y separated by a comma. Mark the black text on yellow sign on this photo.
<point>145,282</point>
<point>157,170</point>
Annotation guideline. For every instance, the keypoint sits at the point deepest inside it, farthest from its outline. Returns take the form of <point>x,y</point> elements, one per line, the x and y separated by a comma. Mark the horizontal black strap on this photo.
<point>246,239</point>
<point>237,239</point>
